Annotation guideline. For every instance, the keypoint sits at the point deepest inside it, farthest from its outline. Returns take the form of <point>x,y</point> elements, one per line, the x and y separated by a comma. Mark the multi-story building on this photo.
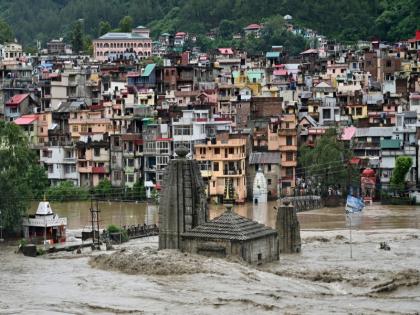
<point>195,126</point>
<point>138,42</point>
<point>221,159</point>
<point>74,85</point>
<point>157,150</point>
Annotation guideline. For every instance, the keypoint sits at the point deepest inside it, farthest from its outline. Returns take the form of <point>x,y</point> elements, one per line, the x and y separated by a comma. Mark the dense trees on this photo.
<point>402,166</point>
<point>326,165</point>
<point>21,178</point>
<point>347,20</point>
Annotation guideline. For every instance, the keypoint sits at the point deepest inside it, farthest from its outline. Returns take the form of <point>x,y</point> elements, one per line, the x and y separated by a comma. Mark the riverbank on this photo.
<point>321,280</point>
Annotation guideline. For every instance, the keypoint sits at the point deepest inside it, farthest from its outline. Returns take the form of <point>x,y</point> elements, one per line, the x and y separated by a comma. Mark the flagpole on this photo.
<point>351,242</point>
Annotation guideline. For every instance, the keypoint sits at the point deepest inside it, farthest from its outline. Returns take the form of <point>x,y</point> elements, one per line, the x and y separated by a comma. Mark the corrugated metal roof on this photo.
<point>148,70</point>
<point>118,36</point>
<point>264,158</point>
<point>230,226</point>
<point>272,54</point>
<point>390,144</point>
<point>374,132</point>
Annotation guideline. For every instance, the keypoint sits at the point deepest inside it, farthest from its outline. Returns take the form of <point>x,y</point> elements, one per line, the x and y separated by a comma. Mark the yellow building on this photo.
<point>221,159</point>
<point>357,111</point>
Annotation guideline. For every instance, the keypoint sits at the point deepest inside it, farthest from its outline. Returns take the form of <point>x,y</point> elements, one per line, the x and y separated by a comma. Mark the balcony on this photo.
<point>285,148</point>
<point>287,132</point>
<point>232,172</point>
<point>288,163</point>
<point>99,170</point>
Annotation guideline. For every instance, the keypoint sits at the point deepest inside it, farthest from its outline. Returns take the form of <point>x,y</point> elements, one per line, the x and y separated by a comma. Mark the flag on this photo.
<point>354,204</point>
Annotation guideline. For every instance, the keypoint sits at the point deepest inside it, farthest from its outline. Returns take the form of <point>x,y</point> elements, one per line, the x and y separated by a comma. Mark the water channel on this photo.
<point>376,216</point>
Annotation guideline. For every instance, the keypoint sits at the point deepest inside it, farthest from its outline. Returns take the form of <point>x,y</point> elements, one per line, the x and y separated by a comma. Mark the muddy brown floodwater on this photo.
<point>376,216</point>
<point>321,280</point>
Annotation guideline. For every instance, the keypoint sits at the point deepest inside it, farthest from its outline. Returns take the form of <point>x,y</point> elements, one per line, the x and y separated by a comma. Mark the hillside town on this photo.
<point>121,113</point>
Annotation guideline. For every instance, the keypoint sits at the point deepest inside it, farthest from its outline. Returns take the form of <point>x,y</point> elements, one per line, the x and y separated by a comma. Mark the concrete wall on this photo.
<point>249,251</point>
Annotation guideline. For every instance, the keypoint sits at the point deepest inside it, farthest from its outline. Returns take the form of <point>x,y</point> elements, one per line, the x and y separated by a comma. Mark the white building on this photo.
<point>195,126</point>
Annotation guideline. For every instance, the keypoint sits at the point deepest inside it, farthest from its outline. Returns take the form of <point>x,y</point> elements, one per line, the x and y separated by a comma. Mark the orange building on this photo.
<point>220,159</point>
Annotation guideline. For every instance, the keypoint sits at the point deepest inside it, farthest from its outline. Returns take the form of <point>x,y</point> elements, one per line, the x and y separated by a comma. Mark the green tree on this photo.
<point>326,165</point>
<point>66,191</point>
<point>21,179</point>
<point>139,191</point>
<point>104,27</point>
<point>126,24</point>
<point>402,166</point>
<point>6,33</point>
<point>77,37</point>
<point>103,189</point>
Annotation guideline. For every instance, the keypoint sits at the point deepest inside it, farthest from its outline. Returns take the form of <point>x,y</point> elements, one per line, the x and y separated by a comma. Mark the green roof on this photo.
<point>254,74</point>
<point>272,54</point>
<point>390,144</point>
<point>148,70</point>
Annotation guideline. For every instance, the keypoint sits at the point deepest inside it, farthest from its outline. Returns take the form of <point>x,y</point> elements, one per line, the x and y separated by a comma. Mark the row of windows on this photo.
<point>106,53</point>
<point>123,45</point>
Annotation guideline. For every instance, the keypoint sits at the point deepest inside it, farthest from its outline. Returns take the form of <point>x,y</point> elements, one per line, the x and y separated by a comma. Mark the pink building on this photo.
<point>113,45</point>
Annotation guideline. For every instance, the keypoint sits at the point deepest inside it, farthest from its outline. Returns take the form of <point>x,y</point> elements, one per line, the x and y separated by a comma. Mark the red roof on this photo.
<point>355,160</point>
<point>280,72</point>
<point>26,119</point>
<point>418,34</point>
<point>253,27</point>
<point>16,100</point>
<point>226,51</point>
<point>180,34</point>
<point>133,74</point>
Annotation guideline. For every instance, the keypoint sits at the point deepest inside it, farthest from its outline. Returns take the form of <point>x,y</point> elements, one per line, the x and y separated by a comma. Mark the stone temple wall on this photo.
<point>183,203</point>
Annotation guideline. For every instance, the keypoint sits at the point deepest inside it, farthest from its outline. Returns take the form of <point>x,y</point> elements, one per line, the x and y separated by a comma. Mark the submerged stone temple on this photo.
<point>288,228</point>
<point>232,235</point>
<point>183,203</point>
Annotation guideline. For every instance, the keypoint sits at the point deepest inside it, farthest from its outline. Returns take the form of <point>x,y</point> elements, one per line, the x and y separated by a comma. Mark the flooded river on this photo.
<point>376,216</point>
<point>320,280</point>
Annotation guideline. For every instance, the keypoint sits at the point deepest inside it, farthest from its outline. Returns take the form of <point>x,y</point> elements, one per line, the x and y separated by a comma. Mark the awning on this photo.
<point>26,120</point>
<point>355,161</point>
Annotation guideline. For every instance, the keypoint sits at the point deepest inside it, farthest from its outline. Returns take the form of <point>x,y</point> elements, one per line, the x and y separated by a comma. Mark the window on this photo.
<point>97,151</point>
<point>268,167</point>
<point>358,111</point>
<point>117,142</point>
<point>269,182</point>
<point>182,130</point>
<point>289,156</point>
<point>231,150</point>
<point>203,151</point>
<point>289,140</point>
<point>163,147</point>
<point>117,175</point>
<point>130,178</point>
<point>289,171</point>
<point>217,151</point>
<point>216,166</point>
<point>50,168</point>
<point>130,162</point>
<point>388,63</point>
<point>84,128</point>
<point>75,128</point>
<point>326,113</point>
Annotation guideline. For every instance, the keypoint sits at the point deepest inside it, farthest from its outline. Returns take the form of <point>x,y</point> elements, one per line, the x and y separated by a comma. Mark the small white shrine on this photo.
<point>259,188</point>
<point>45,225</point>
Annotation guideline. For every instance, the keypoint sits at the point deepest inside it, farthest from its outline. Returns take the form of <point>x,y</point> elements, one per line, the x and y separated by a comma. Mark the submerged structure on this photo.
<point>45,225</point>
<point>259,188</point>
<point>183,204</point>
<point>233,235</point>
<point>288,229</point>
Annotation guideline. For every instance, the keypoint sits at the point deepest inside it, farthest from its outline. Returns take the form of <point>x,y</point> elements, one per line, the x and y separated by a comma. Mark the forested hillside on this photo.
<point>32,20</point>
